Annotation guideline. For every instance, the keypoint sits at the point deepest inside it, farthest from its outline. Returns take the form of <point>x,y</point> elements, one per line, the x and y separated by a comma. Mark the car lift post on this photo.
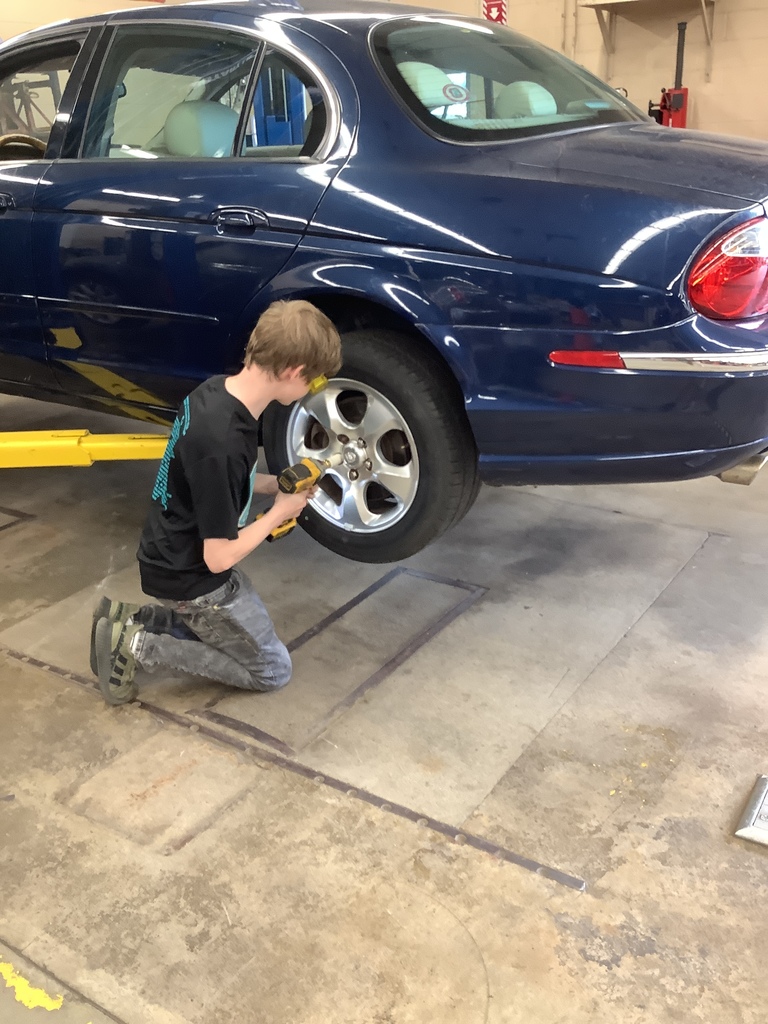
<point>40,448</point>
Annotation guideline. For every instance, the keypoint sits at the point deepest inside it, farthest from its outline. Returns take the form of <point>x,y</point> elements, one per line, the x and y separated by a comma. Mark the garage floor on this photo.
<point>501,787</point>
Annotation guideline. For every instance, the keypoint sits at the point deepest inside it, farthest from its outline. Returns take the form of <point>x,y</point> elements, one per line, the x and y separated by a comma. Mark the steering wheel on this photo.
<point>16,139</point>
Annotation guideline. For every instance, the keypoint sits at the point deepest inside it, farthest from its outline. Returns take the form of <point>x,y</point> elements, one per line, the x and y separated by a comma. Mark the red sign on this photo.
<point>495,10</point>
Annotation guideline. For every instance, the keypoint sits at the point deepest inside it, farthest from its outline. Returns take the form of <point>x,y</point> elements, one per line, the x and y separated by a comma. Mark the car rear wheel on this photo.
<point>409,468</point>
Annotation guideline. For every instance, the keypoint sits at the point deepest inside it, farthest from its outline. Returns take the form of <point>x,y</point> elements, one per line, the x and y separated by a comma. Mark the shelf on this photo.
<point>609,4</point>
<point>613,8</point>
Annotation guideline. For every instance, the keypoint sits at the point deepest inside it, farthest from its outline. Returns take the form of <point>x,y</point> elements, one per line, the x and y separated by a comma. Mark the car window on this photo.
<point>31,90</point>
<point>471,82</point>
<point>169,92</point>
<point>289,113</point>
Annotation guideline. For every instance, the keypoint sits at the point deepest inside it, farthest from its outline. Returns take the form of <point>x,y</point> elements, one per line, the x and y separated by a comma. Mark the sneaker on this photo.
<point>115,611</point>
<point>115,660</point>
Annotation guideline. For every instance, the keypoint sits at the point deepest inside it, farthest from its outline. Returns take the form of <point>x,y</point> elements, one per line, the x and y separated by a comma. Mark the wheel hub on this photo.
<point>354,454</point>
<point>375,484</point>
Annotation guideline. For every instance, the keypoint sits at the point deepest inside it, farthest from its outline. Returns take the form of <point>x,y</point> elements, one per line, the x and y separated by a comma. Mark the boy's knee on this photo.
<point>279,674</point>
<point>283,670</point>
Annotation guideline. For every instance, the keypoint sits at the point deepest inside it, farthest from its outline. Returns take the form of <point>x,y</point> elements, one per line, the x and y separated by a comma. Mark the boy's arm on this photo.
<point>265,483</point>
<point>220,554</point>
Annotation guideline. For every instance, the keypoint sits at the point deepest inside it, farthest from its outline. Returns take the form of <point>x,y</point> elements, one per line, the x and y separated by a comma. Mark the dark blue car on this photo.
<point>534,282</point>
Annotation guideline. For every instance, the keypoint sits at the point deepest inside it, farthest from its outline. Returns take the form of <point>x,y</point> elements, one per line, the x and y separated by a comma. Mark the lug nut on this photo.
<point>353,474</point>
<point>342,438</point>
<point>368,464</point>
<point>361,442</point>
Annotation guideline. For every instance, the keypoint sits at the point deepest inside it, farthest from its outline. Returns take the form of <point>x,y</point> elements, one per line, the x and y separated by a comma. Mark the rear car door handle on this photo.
<point>237,219</point>
<point>6,202</point>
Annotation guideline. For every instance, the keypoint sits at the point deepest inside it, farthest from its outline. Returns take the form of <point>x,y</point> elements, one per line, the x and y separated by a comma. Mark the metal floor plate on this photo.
<point>754,821</point>
<point>334,667</point>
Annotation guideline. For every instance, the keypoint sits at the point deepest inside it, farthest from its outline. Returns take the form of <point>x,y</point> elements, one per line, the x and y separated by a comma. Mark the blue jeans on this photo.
<point>226,635</point>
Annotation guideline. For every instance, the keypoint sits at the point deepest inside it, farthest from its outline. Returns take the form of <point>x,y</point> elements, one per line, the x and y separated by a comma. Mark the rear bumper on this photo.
<point>504,470</point>
<point>691,400</point>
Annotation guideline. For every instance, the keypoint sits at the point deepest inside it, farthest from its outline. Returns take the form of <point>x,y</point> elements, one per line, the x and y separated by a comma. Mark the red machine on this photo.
<point>672,109</point>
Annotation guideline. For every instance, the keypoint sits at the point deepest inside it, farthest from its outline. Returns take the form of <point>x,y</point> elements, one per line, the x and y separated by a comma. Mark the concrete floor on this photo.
<point>596,715</point>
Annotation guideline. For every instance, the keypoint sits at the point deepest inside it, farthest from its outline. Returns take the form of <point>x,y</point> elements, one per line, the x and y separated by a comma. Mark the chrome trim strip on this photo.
<point>137,311</point>
<point>697,362</point>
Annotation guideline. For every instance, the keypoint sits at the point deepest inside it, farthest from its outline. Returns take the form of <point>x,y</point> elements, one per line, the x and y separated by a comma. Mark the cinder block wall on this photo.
<point>731,98</point>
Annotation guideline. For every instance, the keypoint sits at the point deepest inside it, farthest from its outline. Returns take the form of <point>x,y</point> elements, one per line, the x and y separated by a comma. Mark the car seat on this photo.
<point>524,99</point>
<point>428,83</point>
<point>200,128</point>
<point>314,128</point>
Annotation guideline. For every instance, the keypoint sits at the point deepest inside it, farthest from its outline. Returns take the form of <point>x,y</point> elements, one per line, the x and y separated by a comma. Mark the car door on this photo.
<point>37,80</point>
<point>169,212</point>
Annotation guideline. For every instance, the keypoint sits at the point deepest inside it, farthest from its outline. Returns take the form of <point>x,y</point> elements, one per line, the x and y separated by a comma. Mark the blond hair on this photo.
<point>294,333</point>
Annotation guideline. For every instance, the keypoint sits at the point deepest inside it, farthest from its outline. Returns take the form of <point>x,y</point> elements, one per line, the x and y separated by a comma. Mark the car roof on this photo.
<point>235,11</point>
<point>377,9</point>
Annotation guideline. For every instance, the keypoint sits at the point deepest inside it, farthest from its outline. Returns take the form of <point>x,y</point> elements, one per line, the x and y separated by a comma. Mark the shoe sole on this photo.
<point>101,611</point>
<point>121,693</point>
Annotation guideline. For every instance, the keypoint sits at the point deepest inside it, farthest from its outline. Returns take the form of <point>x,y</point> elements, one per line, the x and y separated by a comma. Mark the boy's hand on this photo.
<point>291,505</point>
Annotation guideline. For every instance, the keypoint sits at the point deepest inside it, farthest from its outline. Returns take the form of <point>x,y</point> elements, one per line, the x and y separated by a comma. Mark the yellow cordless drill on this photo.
<point>305,474</point>
<point>295,479</point>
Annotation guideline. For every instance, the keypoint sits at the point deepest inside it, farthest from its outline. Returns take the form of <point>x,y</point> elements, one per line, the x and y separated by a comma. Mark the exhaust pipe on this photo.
<point>746,471</point>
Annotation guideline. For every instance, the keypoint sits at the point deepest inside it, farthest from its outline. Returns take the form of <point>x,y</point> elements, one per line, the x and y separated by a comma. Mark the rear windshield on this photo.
<point>470,82</point>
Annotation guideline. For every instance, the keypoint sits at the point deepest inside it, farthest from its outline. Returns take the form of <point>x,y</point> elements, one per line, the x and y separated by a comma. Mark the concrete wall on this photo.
<point>734,100</point>
<point>18,16</point>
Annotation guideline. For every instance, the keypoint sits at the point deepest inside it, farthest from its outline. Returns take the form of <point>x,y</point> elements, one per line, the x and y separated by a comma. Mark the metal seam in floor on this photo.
<point>16,517</point>
<point>60,982</point>
<point>373,680</point>
<point>442,828</point>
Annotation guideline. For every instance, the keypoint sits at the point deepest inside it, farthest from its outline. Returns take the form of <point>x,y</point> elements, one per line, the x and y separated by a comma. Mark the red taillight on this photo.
<point>597,360</point>
<point>729,281</point>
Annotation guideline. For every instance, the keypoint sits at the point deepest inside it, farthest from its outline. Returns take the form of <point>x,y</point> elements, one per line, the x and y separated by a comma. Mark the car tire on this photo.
<point>427,454</point>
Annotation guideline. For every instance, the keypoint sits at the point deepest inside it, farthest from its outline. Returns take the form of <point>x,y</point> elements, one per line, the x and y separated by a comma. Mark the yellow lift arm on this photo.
<point>26,448</point>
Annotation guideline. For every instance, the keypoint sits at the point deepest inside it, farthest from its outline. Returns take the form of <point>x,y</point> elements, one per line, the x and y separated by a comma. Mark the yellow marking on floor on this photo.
<point>25,993</point>
<point>66,337</point>
<point>135,412</point>
<point>112,383</point>
<point>119,387</point>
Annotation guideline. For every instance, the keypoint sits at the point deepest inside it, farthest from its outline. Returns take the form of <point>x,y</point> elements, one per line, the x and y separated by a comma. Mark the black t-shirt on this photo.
<point>203,491</point>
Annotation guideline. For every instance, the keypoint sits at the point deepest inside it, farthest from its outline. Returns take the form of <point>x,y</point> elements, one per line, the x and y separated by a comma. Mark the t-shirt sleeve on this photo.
<point>215,489</point>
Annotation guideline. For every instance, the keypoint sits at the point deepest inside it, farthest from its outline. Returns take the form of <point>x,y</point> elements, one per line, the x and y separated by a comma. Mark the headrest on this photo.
<point>524,99</point>
<point>431,85</point>
<point>200,128</point>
